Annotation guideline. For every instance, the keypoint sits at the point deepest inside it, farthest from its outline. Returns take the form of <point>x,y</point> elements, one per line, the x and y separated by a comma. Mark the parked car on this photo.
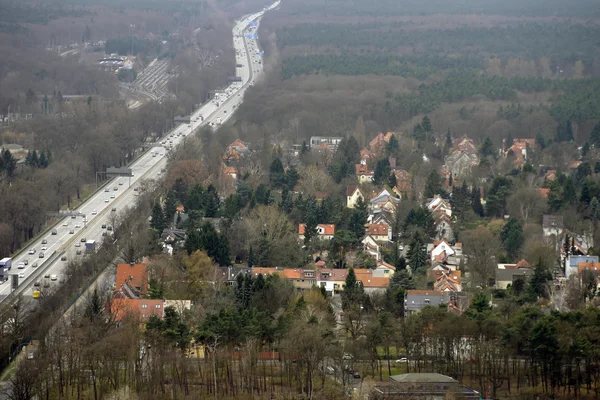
<point>402,360</point>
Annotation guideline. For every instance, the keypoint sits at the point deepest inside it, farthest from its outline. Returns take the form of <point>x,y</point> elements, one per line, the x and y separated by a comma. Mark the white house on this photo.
<point>353,194</point>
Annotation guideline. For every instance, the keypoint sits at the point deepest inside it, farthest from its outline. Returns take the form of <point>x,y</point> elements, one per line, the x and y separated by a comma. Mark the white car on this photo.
<point>112,196</point>
<point>77,244</point>
<point>21,275</point>
<point>66,223</point>
<point>402,360</point>
<point>77,226</point>
<point>21,265</point>
<point>31,251</point>
<point>53,277</point>
<point>94,212</point>
<point>44,248</point>
<point>106,200</point>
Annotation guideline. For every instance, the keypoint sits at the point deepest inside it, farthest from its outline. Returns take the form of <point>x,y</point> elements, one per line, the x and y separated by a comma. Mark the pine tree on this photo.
<point>382,172</point>
<point>595,136</point>
<point>426,124</point>
<point>564,132</point>
<point>212,202</point>
<point>170,207</point>
<point>433,185</point>
<point>537,283</point>
<point>402,280</point>
<point>417,255</point>
<point>292,178</point>
<point>251,257</point>
<point>512,237</point>
<point>158,218</point>
<point>276,173</point>
<point>487,147</point>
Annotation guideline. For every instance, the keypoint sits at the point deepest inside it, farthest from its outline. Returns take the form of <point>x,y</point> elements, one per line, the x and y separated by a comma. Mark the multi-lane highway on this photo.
<point>65,241</point>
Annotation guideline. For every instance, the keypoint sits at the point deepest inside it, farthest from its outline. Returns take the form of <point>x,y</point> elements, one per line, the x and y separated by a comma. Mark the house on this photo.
<point>448,281</point>
<point>377,145</point>
<point>301,279</point>
<point>462,158</point>
<point>384,270</point>
<point>140,309</point>
<point>594,270</point>
<point>384,201</point>
<point>573,165</point>
<point>229,274</point>
<point>371,247</point>
<point>544,192</point>
<point>507,274</point>
<point>324,231</point>
<point>423,386</point>
<point>379,232</point>
<point>416,300</point>
<point>438,204</point>
<point>330,142</point>
<point>550,175</point>
<point>131,280</point>
<point>372,284</point>
<point>232,172</point>
<point>443,226</point>
<point>572,263</point>
<point>238,146</point>
<point>403,188</point>
<point>441,250</point>
<point>353,194</point>
<point>232,156</point>
<point>365,156</point>
<point>333,280</point>
<point>363,174</point>
<point>519,149</point>
<point>381,216</point>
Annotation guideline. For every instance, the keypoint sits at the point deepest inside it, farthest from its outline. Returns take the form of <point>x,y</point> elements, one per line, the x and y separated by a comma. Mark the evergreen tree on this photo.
<point>291,178</point>
<point>460,201</point>
<point>170,207</point>
<point>569,192</point>
<point>382,172</point>
<point>264,252</point>
<point>357,223</point>
<point>276,173</point>
<point>564,132</point>
<point>400,263</point>
<point>539,279</point>
<point>540,140</point>
<point>487,147</point>
<point>417,254</point>
<point>354,292</point>
<point>262,195</point>
<point>158,218</point>
<point>426,124</point>
<point>212,202</point>
<point>9,162</point>
<point>43,161</point>
<point>402,280</point>
<point>392,146</point>
<point>433,185</point>
<point>251,257</point>
<point>597,167</point>
<point>232,207</point>
<point>476,202</point>
<point>449,139</point>
<point>310,230</point>
<point>419,133</point>
<point>512,237</point>
<point>192,241</point>
<point>595,136</point>
<point>216,245</point>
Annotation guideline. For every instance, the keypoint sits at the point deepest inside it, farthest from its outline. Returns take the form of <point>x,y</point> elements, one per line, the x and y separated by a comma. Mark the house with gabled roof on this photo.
<point>379,232</point>
<point>363,173</point>
<point>507,274</point>
<point>448,281</point>
<point>443,226</point>
<point>403,188</point>
<point>416,300</point>
<point>462,158</point>
<point>384,201</point>
<point>371,247</point>
<point>131,280</point>
<point>519,150</point>
<point>353,195</point>
<point>438,204</point>
<point>324,231</point>
<point>139,309</point>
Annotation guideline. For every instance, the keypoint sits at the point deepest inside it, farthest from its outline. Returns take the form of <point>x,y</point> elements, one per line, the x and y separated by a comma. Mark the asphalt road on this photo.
<point>119,193</point>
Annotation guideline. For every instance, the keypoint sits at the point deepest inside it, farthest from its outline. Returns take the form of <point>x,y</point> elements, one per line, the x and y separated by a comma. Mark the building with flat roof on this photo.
<point>423,386</point>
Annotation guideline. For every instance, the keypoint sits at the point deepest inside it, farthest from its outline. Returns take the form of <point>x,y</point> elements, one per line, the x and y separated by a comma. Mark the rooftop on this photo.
<point>423,378</point>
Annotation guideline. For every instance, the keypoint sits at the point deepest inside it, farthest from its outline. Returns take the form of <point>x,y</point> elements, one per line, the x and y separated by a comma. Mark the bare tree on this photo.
<point>480,248</point>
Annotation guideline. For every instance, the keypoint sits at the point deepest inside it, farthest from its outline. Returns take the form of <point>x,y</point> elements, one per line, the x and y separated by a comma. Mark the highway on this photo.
<point>120,193</point>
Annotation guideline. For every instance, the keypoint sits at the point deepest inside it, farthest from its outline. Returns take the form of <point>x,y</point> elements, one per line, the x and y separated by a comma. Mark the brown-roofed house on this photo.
<point>141,309</point>
<point>363,174</point>
<point>353,194</point>
<point>544,192</point>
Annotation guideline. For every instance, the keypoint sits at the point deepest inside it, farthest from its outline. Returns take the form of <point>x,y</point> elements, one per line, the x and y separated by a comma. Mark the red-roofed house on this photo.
<point>448,281</point>
<point>141,309</point>
<point>403,186</point>
<point>379,232</point>
<point>544,192</point>
<point>324,231</point>
<point>519,149</point>
<point>131,280</point>
<point>363,174</point>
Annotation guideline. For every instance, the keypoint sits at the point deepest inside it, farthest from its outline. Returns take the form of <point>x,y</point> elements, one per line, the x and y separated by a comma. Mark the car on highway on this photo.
<point>34,265</point>
<point>107,190</point>
<point>77,244</point>
<point>106,200</point>
<point>21,265</point>
<point>120,183</point>
<point>82,240</point>
<point>53,277</point>
<point>77,225</point>
<point>26,262</point>
<point>94,212</point>
<point>47,276</point>
<point>45,241</point>
<point>53,232</point>
<point>31,251</point>
<point>103,226</point>
<point>66,223</point>
<point>109,228</point>
<point>36,284</point>
<point>114,209</point>
<point>116,188</point>
<point>41,255</point>
<point>63,258</point>
<point>44,248</point>
<point>72,231</point>
<point>22,275</point>
<point>78,252</point>
<point>112,196</point>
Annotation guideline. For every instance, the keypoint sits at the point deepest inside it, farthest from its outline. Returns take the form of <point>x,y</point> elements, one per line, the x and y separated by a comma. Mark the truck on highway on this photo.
<point>5,266</point>
<point>90,246</point>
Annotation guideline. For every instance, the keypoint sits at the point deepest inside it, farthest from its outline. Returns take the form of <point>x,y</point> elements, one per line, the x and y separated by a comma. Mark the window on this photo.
<point>144,305</point>
<point>158,306</point>
<point>387,271</point>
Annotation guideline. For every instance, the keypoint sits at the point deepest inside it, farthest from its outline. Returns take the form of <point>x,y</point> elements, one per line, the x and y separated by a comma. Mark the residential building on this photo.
<point>331,142</point>
<point>441,250</point>
<point>371,247</point>
<point>462,158</point>
<point>519,150</point>
<point>416,300</point>
<point>131,280</point>
<point>507,274</point>
<point>231,172</point>
<point>384,201</point>
<point>230,274</point>
<point>380,232</point>
<point>377,145</point>
<point>572,263</point>
<point>238,145</point>
<point>363,173</point>
<point>430,386</point>
<point>443,226</point>
<point>140,309</point>
<point>301,279</point>
<point>324,231</point>
<point>438,204</point>
<point>448,281</point>
<point>552,227</point>
<point>403,188</point>
<point>353,195</point>
<point>365,156</point>
<point>384,270</point>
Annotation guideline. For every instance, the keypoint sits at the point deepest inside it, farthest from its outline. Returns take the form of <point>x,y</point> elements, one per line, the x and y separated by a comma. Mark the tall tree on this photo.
<point>512,237</point>
<point>276,173</point>
<point>158,217</point>
<point>417,254</point>
<point>433,185</point>
<point>382,172</point>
